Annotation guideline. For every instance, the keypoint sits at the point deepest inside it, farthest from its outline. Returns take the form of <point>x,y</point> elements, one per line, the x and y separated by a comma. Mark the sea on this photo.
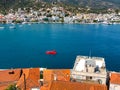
<point>24,45</point>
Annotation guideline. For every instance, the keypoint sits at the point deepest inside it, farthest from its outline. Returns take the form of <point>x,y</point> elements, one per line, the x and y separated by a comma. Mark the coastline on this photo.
<point>59,23</point>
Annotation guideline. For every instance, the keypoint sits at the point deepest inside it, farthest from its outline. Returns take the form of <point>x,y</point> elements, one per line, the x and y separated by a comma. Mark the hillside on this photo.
<point>113,1</point>
<point>93,4</point>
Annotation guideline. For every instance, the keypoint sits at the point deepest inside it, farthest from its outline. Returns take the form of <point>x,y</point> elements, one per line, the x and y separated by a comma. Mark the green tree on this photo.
<point>12,87</point>
<point>117,11</point>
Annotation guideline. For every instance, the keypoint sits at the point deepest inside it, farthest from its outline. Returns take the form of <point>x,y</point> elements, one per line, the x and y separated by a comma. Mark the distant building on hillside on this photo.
<point>89,69</point>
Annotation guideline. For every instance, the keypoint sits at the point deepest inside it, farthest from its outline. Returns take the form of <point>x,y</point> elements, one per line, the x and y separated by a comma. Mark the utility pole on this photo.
<point>24,82</point>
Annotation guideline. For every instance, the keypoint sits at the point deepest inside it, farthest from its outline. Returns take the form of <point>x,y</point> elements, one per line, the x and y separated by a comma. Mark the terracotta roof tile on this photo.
<point>32,75</point>
<point>63,85</point>
<point>1,16</point>
<point>63,81</point>
<point>115,78</point>
<point>8,77</point>
<point>50,74</point>
<point>4,86</point>
<point>60,74</point>
<point>44,88</point>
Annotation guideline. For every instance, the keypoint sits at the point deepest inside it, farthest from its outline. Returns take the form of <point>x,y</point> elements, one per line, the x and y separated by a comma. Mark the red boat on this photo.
<point>53,52</point>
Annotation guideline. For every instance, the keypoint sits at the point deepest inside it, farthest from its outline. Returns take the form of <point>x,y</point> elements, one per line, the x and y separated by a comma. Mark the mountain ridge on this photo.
<point>93,4</point>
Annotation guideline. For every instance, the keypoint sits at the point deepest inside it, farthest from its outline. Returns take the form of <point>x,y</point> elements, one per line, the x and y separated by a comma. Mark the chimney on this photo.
<point>55,77</point>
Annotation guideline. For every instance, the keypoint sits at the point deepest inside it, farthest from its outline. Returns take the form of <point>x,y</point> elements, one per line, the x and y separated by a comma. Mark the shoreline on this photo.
<point>58,23</point>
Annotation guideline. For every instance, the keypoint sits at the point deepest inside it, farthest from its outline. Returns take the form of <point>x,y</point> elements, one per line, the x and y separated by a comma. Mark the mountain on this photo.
<point>113,1</point>
<point>94,4</point>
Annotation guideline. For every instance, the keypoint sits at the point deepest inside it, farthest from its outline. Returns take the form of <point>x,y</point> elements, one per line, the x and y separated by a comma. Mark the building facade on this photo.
<point>89,69</point>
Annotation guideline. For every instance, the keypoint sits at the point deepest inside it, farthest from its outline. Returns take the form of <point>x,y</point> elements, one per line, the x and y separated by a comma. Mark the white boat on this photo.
<point>24,22</point>
<point>12,27</point>
<point>106,22</point>
<point>2,27</point>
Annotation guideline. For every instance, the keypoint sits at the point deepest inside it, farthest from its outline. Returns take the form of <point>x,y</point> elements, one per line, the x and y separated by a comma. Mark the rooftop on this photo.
<point>89,69</point>
<point>20,77</point>
<point>115,78</point>
<point>58,74</point>
<point>90,64</point>
<point>31,77</point>
<point>8,77</point>
<point>67,85</point>
<point>50,75</point>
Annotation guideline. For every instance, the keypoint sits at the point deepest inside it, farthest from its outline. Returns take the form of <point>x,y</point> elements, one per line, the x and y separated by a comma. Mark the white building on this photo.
<point>68,19</point>
<point>89,69</point>
<point>114,81</point>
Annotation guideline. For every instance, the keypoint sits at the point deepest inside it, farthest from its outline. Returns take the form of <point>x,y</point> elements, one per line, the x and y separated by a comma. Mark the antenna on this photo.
<point>90,54</point>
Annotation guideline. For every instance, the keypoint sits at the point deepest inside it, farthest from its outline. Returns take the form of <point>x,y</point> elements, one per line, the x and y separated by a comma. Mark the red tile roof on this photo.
<point>61,74</point>
<point>8,77</point>
<point>16,76</point>
<point>49,75</point>
<point>115,78</point>
<point>63,81</point>
<point>1,16</point>
<point>63,85</point>
<point>32,77</point>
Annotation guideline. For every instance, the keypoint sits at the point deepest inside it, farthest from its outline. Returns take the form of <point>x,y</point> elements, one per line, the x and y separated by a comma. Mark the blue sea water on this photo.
<point>25,46</point>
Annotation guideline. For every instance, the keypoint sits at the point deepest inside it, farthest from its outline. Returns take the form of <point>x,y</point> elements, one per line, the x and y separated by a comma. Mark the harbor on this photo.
<point>28,44</point>
<point>59,45</point>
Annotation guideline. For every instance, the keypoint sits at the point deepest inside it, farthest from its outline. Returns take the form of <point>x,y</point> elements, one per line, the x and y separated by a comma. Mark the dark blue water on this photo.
<point>26,45</point>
